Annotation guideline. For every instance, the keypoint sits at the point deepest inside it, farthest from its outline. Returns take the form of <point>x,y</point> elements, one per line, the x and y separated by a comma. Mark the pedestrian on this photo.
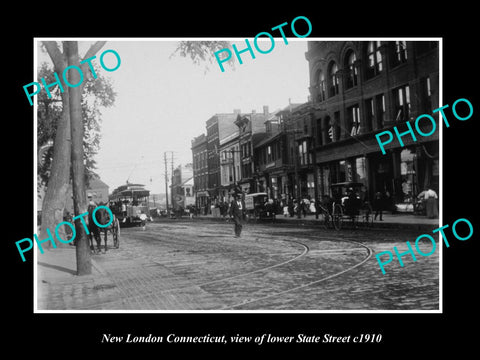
<point>285,208</point>
<point>305,203</point>
<point>291,206</point>
<point>430,197</point>
<point>378,205</point>
<point>313,208</point>
<point>237,212</point>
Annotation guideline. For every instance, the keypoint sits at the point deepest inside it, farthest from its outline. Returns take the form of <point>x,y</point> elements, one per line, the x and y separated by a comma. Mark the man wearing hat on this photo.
<point>237,211</point>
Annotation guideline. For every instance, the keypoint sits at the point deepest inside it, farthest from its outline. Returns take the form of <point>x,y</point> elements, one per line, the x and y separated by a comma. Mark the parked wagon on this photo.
<point>258,206</point>
<point>345,205</point>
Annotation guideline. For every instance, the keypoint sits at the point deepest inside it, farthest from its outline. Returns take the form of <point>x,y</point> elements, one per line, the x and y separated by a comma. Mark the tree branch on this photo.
<point>91,52</point>
<point>55,54</point>
<point>94,49</point>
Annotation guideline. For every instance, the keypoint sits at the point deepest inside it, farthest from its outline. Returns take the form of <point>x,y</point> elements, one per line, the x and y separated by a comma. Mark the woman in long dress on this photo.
<point>431,197</point>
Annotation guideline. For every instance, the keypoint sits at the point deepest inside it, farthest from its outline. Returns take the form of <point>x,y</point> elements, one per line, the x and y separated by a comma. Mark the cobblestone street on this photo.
<point>198,265</point>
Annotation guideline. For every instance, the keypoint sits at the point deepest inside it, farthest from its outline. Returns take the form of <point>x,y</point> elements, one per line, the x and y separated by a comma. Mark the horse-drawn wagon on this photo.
<point>346,204</point>
<point>258,207</point>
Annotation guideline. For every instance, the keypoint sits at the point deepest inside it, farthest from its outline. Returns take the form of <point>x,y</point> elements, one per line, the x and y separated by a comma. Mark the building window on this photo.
<point>336,126</point>
<point>321,85</point>
<point>303,153</point>
<point>380,110</point>
<point>319,132</point>
<point>352,75</point>
<point>427,94</point>
<point>370,114</point>
<point>333,79</point>
<point>402,103</point>
<point>328,130</point>
<point>400,52</point>
<point>353,120</point>
<point>374,59</point>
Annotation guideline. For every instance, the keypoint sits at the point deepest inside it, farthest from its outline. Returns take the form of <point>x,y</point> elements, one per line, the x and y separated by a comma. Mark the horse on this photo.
<point>102,216</point>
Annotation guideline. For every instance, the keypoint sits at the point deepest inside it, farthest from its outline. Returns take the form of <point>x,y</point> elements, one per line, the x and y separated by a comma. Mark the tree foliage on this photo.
<point>202,52</point>
<point>97,94</point>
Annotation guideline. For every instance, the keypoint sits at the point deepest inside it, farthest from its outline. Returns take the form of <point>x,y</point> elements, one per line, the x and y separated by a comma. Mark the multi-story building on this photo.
<point>359,88</point>
<point>274,156</point>
<point>200,171</point>
<point>181,189</point>
<point>229,165</point>
<point>219,126</point>
<point>251,130</point>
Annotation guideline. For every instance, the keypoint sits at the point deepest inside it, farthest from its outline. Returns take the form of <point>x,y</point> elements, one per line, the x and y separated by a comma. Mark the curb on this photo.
<point>314,222</point>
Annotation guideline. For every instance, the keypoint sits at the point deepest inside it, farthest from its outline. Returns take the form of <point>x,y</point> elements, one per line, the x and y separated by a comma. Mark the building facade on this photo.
<point>229,165</point>
<point>359,88</point>
<point>182,187</point>
<point>251,130</point>
<point>200,171</point>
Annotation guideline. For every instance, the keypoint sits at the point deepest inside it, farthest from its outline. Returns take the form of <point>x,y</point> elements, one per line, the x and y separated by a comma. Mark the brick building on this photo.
<point>200,171</point>
<point>359,88</point>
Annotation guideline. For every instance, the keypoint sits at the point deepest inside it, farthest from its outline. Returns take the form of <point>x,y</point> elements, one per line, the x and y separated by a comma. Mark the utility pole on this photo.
<point>171,190</point>
<point>315,167</point>
<point>166,180</point>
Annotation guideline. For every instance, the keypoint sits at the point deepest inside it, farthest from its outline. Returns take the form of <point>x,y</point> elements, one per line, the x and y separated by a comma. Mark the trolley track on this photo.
<point>304,244</point>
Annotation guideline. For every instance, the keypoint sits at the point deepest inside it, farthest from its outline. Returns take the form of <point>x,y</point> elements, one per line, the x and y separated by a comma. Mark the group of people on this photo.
<point>303,206</point>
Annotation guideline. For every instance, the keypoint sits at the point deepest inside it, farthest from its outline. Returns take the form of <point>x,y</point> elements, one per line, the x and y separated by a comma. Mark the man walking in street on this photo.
<point>237,211</point>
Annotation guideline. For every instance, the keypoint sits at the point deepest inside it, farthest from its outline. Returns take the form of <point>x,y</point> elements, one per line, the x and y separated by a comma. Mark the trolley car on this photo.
<point>129,203</point>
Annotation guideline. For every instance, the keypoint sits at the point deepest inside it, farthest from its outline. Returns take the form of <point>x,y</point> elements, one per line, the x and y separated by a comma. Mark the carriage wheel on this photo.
<point>325,219</point>
<point>337,216</point>
<point>116,235</point>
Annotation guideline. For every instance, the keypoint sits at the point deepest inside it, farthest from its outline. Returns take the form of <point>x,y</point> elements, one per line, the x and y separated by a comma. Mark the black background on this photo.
<point>61,335</point>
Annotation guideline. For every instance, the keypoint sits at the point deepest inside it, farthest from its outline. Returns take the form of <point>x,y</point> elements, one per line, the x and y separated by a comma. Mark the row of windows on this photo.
<point>328,84</point>
<point>375,112</point>
<point>200,160</point>
<point>200,182</point>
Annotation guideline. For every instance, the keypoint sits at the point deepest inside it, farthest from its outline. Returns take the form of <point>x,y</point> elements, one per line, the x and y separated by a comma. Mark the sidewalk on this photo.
<point>390,221</point>
<point>59,287</point>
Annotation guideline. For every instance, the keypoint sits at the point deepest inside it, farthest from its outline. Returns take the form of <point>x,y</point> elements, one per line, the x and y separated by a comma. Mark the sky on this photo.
<point>163,102</point>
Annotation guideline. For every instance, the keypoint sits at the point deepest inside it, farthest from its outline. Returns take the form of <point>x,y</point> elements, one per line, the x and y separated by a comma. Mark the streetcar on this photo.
<point>345,205</point>
<point>129,203</point>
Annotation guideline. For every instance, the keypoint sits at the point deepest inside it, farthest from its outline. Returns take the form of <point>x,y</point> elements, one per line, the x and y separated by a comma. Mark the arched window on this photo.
<point>333,79</point>
<point>352,73</point>
<point>374,59</point>
<point>321,86</point>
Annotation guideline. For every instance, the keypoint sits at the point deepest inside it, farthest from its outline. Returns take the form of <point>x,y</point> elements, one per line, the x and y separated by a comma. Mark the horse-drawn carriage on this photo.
<point>346,205</point>
<point>258,207</point>
<point>101,220</point>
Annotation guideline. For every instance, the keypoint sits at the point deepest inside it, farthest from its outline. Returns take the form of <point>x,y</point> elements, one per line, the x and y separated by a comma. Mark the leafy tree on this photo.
<point>68,154</point>
<point>98,93</point>
<point>202,51</point>
<point>76,138</point>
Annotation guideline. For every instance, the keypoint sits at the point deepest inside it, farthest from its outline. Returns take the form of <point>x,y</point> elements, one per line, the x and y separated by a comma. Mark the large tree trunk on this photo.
<point>84,263</point>
<point>68,151</point>
<point>56,195</point>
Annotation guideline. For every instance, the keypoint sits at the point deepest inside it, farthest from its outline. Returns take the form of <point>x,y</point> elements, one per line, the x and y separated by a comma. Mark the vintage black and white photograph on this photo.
<point>268,174</point>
